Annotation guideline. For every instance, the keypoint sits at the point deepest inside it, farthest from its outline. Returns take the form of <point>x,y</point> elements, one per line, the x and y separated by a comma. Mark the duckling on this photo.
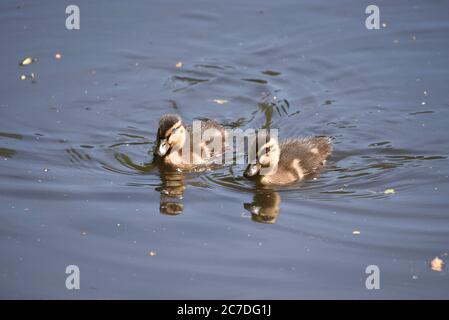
<point>172,136</point>
<point>290,161</point>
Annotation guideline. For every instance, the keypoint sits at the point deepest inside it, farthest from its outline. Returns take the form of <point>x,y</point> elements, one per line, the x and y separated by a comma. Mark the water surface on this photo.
<point>77,185</point>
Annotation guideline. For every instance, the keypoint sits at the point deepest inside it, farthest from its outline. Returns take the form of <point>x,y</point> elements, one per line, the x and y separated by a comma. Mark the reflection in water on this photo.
<point>265,206</point>
<point>172,192</point>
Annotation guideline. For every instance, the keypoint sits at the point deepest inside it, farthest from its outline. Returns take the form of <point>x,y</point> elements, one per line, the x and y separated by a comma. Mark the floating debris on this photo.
<point>58,56</point>
<point>179,64</point>
<point>220,101</point>
<point>437,264</point>
<point>426,93</point>
<point>84,233</point>
<point>46,170</point>
<point>30,76</point>
<point>152,253</point>
<point>389,191</point>
<point>384,25</point>
<point>356,232</point>
<point>27,61</point>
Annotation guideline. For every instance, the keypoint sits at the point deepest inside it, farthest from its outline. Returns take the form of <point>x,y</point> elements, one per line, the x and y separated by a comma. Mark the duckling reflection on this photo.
<point>265,206</point>
<point>172,192</point>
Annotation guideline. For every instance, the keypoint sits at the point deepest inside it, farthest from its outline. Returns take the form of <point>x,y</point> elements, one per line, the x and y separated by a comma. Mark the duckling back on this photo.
<point>310,153</point>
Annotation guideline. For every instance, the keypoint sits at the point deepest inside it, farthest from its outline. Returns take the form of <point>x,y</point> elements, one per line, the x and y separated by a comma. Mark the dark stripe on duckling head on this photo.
<point>167,122</point>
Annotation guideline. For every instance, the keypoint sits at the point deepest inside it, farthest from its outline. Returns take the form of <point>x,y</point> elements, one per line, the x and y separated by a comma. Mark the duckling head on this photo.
<point>171,134</point>
<point>267,159</point>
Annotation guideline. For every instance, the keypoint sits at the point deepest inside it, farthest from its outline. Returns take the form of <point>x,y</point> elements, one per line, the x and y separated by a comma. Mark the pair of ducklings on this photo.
<point>286,162</point>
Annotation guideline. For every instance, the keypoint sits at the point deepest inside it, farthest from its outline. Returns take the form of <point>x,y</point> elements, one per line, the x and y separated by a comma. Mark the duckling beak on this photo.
<point>163,148</point>
<point>252,170</point>
<point>253,209</point>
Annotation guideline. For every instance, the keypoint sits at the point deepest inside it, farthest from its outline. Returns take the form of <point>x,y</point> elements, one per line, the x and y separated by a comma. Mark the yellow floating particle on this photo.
<point>389,191</point>
<point>152,253</point>
<point>26,61</point>
<point>58,56</point>
<point>220,101</point>
<point>179,64</point>
<point>437,264</point>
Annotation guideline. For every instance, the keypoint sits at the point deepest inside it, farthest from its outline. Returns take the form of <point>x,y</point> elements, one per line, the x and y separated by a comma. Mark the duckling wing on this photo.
<point>311,153</point>
<point>208,144</point>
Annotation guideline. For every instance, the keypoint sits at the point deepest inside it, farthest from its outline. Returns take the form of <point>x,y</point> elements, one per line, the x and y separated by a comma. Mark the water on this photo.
<point>77,184</point>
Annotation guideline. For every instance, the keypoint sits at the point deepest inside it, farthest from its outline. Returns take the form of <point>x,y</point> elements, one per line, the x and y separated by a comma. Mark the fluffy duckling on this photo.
<point>172,136</point>
<point>290,161</point>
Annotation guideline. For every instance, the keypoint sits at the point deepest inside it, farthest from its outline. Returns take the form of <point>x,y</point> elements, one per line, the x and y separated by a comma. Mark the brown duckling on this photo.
<point>292,160</point>
<point>172,136</point>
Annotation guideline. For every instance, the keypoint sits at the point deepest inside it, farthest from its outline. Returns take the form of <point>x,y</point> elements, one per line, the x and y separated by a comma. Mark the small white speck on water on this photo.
<point>46,170</point>
<point>423,103</point>
<point>426,93</point>
<point>414,277</point>
<point>356,232</point>
<point>118,225</point>
<point>384,25</point>
<point>260,243</point>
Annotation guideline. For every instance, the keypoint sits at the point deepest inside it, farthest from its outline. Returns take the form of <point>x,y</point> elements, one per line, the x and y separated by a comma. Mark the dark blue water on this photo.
<point>77,185</point>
